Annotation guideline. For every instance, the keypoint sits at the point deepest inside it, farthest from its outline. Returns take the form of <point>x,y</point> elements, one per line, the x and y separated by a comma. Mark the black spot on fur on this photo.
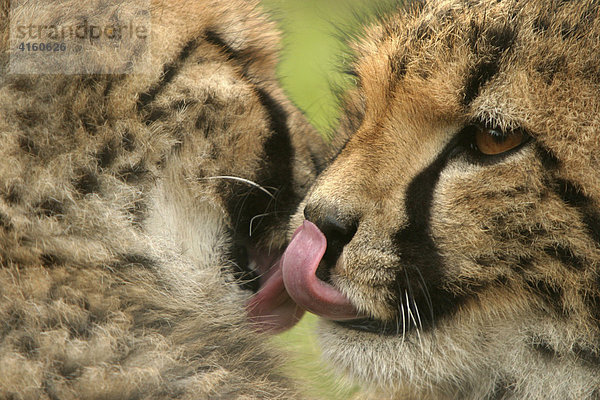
<point>244,202</point>
<point>27,346</point>
<point>87,183</point>
<point>89,124</point>
<point>550,294</point>
<point>50,207</point>
<point>489,46</point>
<point>12,194</point>
<point>29,118</point>
<point>128,141</point>
<point>155,114</point>
<point>592,222</point>
<point>5,222</point>
<point>570,193</point>
<point>21,83</point>
<point>134,173</point>
<point>139,260</point>
<point>523,263</point>
<point>107,88</point>
<point>169,72</point>
<point>50,260</point>
<point>107,155</point>
<point>589,356</point>
<point>278,150</point>
<point>541,24</point>
<point>27,144</point>
<point>398,67</point>
<point>565,256</point>
<point>550,66</point>
<point>543,348</point>
<point>138,211</point>
<point>277,121</point>
<point>484,261</point>
<point>478,76</point>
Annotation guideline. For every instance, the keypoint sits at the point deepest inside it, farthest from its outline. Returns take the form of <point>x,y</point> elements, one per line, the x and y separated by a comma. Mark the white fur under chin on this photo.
<point>436,363</point>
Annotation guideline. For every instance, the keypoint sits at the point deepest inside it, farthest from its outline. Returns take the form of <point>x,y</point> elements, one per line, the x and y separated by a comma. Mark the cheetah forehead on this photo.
<point>493,62</point>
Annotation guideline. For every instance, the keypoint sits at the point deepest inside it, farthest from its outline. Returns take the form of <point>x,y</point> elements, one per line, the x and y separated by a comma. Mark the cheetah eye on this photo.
<point>493,141</point>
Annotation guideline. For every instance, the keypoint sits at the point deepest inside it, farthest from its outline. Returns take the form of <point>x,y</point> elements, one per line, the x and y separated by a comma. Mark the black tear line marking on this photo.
<point>416,248</point>
<point>549,160</point>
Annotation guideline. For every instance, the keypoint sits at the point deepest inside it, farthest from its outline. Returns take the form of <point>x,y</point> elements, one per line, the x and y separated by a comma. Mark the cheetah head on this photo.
<point>453,246</point>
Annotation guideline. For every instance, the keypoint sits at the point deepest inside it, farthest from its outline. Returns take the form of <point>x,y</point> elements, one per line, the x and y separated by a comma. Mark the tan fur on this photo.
<point>508,250</point>
<point>115,241</point>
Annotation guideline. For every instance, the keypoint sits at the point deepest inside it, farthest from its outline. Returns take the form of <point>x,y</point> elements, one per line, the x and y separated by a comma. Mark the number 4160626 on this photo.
<point>42,46</point>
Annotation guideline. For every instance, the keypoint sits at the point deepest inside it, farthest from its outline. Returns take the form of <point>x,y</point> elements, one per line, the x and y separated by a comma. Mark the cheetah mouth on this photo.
<point>292,286</point>
<point>373,325</point>
<point>300,263</point>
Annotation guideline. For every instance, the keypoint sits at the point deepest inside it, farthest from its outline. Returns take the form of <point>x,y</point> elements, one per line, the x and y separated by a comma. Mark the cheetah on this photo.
<point>141,209</point>
<point>452,248</point>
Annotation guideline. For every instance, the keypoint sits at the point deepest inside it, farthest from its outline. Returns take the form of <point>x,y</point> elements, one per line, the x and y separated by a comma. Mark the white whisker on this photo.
<point>249,182</point>
<point>418,315</point>
<point>403,321</point>
<point>412,317</point>
<point>258,216</point>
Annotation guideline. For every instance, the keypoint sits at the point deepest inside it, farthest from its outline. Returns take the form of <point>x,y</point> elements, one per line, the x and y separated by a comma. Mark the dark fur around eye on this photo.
<point>467,143</point>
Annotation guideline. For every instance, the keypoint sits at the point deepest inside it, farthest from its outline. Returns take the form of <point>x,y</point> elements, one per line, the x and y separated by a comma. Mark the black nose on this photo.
<point>337,228</point>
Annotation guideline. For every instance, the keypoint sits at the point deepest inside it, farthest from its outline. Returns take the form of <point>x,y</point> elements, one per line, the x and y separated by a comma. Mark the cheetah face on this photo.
<point>461,219</point>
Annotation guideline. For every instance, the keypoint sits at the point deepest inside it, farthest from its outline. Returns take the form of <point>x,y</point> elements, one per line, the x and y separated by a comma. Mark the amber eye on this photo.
<point>491,141</point>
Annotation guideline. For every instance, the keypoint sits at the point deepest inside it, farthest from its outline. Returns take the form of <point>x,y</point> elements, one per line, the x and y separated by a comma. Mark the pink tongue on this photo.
<point>271,309</point>
<point>299,265</point>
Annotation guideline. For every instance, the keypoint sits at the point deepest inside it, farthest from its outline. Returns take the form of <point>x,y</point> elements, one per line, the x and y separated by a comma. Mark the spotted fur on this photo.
<point>479,275</point>
<point>119,246</point>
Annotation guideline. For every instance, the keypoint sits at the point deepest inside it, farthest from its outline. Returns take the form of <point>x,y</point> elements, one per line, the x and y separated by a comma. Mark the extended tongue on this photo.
<point>271,309</point>
<point>300,262</point>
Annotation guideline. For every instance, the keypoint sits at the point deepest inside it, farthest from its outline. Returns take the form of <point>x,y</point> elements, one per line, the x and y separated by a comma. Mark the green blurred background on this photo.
<point>313,50</point>
<point>313,57</point>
